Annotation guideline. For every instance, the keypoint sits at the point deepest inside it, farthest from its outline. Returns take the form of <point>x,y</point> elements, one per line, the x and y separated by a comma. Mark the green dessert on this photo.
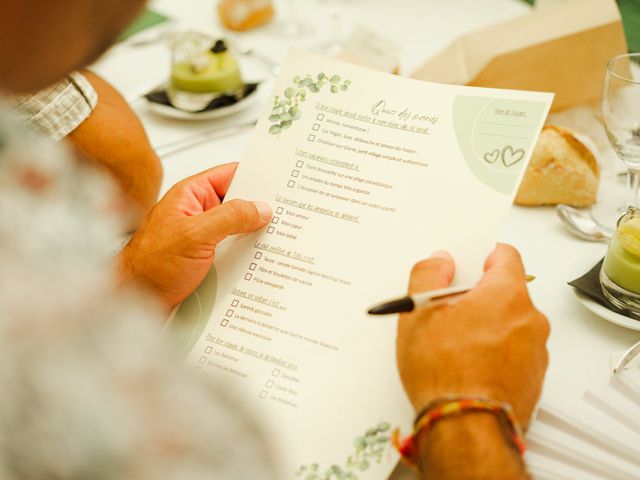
<point>212,71</point>
<point>622,263</point>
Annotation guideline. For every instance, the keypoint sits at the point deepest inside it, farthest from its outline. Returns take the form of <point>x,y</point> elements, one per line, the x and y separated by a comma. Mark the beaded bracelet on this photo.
<point>448,406</point>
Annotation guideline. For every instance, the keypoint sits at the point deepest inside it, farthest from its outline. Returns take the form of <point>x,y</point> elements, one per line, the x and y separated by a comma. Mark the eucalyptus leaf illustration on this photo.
<point>368,450</point>
<point>287,107</point>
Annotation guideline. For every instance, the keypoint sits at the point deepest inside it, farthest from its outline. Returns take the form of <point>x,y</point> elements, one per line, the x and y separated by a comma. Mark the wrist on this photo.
<point>473,445</point>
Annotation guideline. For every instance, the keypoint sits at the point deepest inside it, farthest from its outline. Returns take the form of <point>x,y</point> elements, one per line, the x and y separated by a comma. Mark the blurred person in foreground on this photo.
<point>89,389</point>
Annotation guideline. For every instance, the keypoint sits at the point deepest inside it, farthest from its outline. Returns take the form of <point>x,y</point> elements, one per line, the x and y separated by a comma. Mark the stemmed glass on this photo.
<point>334,44</point>
<point>293,24</point>
<point>621,115</point>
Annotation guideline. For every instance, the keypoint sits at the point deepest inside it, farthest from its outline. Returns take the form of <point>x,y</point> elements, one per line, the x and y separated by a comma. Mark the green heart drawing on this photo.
<point>510,156</point>
<point>492,157</point>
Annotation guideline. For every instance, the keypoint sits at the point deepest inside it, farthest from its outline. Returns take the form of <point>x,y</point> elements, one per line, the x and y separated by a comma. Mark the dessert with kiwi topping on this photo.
<point>202,76</point>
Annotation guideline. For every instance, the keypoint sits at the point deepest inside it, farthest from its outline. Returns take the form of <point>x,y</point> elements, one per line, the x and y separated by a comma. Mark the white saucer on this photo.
<point>172,112</point>
<point>582,266</point>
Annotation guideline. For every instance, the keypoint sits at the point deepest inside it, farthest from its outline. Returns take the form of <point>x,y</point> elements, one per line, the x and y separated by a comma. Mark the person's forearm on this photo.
<point>114,138</point>
<point>472,446</point>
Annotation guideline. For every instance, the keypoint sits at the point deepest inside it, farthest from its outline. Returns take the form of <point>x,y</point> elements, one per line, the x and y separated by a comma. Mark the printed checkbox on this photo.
<point>315,127</point>
<point>276,372</point>
<point>258,255</point>
<point>299,164</point>
<point>279,210</point>
<point>291,184</point>
<point>263,394</point>
<point>229,313</point>
<point>253,266</point>
<point>269,383</point>
<point>202,360</point>
<point>320,117</point>
<point>248,277</point>
<point>224,322</point>
<point>235,303</point>
<point>311,138</point>
<point>208,349</point>
<point>271,229</point>
<point>295,173</point>
<point>275,220</point>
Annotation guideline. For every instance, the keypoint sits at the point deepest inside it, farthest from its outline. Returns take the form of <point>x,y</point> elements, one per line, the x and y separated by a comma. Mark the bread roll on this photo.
<point>562,170</point>
<point>241,15</point>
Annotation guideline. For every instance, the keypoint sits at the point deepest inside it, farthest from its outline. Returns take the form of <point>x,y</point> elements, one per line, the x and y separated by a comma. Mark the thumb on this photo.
<point>435,272</point>
<point>233,217</point>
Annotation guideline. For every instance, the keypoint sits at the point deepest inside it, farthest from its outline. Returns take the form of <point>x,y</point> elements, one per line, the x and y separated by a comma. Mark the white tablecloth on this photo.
<point>581,343</point>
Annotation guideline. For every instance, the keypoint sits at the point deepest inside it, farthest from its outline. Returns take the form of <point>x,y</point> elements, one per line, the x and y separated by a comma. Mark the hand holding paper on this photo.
<point>459,349</point>
<point>192,221</point>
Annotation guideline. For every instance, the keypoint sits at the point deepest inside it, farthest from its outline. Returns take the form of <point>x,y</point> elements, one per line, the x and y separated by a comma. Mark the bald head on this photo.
<point>43,40</point>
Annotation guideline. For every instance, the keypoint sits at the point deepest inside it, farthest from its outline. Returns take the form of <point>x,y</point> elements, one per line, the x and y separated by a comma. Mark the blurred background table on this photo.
<point>581,343</point>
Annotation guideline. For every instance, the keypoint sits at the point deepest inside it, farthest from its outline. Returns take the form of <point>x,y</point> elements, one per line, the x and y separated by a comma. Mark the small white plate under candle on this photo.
<point>173,112</point>
<point>582,266</point>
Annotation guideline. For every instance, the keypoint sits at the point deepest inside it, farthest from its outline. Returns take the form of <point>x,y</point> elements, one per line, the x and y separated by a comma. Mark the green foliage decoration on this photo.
<point>287,107</point>
<point>368,449</point>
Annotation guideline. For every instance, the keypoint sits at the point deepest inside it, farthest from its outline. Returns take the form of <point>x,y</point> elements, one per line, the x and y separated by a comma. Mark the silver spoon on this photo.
<point>581,225</point>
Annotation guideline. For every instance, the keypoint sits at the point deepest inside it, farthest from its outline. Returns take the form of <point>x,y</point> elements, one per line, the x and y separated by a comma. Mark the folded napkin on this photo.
<point>146,20</point>
<point>161,97</point>
<point>589,285</point>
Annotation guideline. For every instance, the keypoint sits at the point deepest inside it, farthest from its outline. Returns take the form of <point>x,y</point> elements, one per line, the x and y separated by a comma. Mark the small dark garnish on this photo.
<point>219,47</point>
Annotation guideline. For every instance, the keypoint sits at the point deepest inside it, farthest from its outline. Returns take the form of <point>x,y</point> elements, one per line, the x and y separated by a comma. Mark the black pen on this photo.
<point>424,299</point>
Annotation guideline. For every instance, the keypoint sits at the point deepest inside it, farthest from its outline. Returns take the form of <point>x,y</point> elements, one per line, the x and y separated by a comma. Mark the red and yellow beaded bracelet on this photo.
<point>445,407</point>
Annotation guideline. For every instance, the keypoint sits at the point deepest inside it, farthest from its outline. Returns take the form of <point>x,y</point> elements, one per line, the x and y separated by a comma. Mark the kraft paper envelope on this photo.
<point>562,49</point>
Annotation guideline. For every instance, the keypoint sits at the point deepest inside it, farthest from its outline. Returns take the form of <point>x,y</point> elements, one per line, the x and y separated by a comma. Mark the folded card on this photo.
<point>563,49</point>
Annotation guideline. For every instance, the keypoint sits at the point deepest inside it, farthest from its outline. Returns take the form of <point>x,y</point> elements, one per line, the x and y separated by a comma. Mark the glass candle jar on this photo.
<point>201,70</point>
<point>620,273</point>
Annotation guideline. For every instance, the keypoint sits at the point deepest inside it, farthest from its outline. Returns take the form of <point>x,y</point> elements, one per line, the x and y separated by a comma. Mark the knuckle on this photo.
<point>240,212</point>
<point>431,265</point>
<point>543,325</point>
<point>510,251</point>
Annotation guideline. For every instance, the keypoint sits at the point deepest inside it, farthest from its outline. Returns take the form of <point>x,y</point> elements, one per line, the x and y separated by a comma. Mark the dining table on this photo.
<point>581,344</point>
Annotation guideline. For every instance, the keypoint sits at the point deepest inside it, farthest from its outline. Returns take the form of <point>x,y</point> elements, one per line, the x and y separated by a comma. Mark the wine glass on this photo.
<point>621,116</point>
<point>335,42</point>
<point>292,24</point>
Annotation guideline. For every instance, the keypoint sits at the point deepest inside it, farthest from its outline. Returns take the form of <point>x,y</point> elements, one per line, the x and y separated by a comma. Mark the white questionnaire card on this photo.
<point>367,173</point>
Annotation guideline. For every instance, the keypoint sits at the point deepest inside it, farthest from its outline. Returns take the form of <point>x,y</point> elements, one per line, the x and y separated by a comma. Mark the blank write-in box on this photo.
<point>315,127</point>
<point>275,372</point>
<point>280,210</point>
<point>291,184</point>
<point>229,313</point>
<point>248,276</point>
<point>311,138</point>
<point>275,220</point>
<point>235,303</point>
<point>258,255</point>
<point>299,164</point>
<point>253,266</point>
<point>263,394</point>
<point>224,322</point>
<point>202,360</point>
<point>269,383</point>
<point>295,173</point>
<point>320,117</point>
<point>209,349</point>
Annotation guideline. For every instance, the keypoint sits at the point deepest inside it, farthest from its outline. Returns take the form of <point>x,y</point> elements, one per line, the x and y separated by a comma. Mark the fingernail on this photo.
<point>441,254</point>
<point>264,209</point>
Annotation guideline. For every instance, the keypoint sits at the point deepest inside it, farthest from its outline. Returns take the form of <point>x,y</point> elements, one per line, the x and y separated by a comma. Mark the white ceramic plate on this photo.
<point>582,266</point>
<point>172,112</point>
